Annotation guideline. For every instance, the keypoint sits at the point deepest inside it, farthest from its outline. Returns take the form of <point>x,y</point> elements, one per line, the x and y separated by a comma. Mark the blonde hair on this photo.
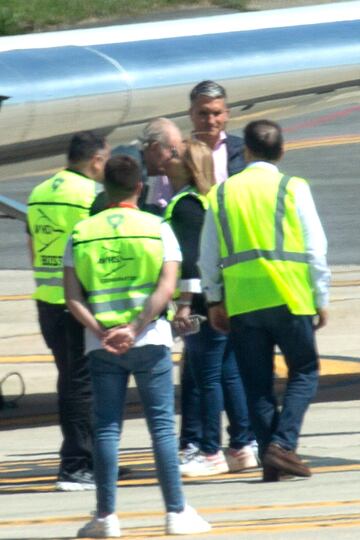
<point>198,160</point>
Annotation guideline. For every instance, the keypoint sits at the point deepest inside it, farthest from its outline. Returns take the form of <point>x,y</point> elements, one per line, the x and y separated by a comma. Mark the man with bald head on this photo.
<point>160,141</point>
<point>266,280</point>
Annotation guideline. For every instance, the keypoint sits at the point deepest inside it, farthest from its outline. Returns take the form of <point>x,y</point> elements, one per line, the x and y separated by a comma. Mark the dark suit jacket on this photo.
<point>235,152</point>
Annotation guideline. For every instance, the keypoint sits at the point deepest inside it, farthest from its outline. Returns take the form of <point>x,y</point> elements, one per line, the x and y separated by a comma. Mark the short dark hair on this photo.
<point>209,89</point>
<point>84,145</point>
<point>264,139</point>
<point>122,176</point>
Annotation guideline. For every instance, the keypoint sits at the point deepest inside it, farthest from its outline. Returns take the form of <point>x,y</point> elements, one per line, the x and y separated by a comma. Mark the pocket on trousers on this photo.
<point>155,359</point>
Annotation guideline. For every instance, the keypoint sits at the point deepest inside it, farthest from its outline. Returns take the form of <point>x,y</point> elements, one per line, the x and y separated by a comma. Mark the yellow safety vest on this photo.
<point>263,258</point>
<point>118,256</point>
<point>54,208</point>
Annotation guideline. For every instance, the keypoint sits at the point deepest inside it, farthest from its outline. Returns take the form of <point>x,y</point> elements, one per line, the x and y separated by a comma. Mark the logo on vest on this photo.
<point>115,220</point>
<point>115,260</point>
<point>56,183</point>
<point>46,230</point>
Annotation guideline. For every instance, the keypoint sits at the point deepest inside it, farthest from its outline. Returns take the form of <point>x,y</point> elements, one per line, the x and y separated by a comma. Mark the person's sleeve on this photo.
<point>99,204</point>
<point>68,259</point>
<point>209,260</point>
<point>187,221</point>
<point>172,250</point>
<point>315,244</point>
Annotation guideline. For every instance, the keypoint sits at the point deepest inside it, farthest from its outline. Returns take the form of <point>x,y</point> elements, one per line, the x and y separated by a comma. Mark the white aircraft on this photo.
<point>53,84</point>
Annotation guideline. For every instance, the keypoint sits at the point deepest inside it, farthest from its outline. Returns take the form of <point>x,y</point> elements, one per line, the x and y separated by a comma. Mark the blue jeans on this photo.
<point>214,368</point>
<point>151,366</point>
<point>254,337</point>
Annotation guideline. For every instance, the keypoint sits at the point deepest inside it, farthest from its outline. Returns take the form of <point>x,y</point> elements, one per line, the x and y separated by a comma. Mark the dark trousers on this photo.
<point>254,337</point>
<point>213,383</point>
<point>64,336</point>
<point>191,427</point>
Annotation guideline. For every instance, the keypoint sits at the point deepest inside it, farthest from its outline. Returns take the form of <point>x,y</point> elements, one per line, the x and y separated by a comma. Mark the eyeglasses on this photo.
<point>174,153</point>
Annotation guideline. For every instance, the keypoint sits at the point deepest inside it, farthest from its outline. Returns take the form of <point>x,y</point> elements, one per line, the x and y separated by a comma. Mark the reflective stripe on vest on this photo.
<point>121,289</point>
<point>41,277</point>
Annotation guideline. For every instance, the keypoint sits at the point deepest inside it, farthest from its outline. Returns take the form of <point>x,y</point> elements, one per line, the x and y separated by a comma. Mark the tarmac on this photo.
<point>23,350</point>
<point>238,505</point>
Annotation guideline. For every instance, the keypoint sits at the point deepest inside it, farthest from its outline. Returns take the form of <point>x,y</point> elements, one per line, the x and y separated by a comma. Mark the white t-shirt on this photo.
<point>157,332</point>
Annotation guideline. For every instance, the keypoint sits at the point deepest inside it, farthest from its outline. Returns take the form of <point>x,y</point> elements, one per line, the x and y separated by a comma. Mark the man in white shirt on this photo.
<point>120,274</point>
<point>264,274</point>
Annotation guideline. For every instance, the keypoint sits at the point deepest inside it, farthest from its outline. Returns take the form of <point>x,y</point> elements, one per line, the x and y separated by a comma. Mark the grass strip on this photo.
<point>26,16</point>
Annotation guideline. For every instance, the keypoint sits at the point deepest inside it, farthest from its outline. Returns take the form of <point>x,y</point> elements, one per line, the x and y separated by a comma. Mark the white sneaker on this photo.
<point>76,481</point>
<point>108,527</point>
<point>241,459</point>
<point>205,465</point>
<point>186,522</point>
<point>188,453</point>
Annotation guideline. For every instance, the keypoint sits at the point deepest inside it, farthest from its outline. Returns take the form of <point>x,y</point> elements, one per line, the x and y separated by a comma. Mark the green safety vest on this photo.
<point>263,258</point>
<point>169,212</point>
<point>118,256</point>
<point>54,208</point>
<point>173,202</point>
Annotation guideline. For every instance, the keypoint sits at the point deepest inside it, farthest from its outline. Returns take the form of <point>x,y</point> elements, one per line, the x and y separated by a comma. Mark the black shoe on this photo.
<point>76,481</point>
<point>123,472</point>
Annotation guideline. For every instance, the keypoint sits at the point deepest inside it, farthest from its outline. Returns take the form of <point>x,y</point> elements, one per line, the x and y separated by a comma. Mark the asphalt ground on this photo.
<point>322,146</point>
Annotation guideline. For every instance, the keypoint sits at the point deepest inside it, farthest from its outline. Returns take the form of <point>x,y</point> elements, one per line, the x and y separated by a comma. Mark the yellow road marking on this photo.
<point>14,297</point>
<point>335,283</point>
<point>263,114</point>
<point>26,359</point>
<point>348,283</point>
<point>324,141</point>
<point>23,483</point>
<point>265,524</point>
<point>328,366</point>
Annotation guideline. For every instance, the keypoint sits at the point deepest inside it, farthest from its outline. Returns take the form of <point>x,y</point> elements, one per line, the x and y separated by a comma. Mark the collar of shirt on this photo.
<point>123,205</point>
<point>221,140</point>
<point>69,169</point>
<point>220,158</point>
<point>263,165</point>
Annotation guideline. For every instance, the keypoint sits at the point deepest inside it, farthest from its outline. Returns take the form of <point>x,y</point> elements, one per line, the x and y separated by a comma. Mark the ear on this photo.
<point>139,188</point>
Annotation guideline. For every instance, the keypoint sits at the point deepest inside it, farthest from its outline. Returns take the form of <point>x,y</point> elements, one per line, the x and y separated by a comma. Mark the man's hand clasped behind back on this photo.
<point>118,340</point>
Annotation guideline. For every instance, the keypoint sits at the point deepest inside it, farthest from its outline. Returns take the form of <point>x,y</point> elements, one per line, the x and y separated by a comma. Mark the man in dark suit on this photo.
<point>209,115</point>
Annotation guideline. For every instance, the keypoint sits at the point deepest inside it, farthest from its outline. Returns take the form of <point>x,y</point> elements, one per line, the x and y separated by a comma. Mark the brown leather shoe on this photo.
<point>270,474</point>
<point>284,461</point>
